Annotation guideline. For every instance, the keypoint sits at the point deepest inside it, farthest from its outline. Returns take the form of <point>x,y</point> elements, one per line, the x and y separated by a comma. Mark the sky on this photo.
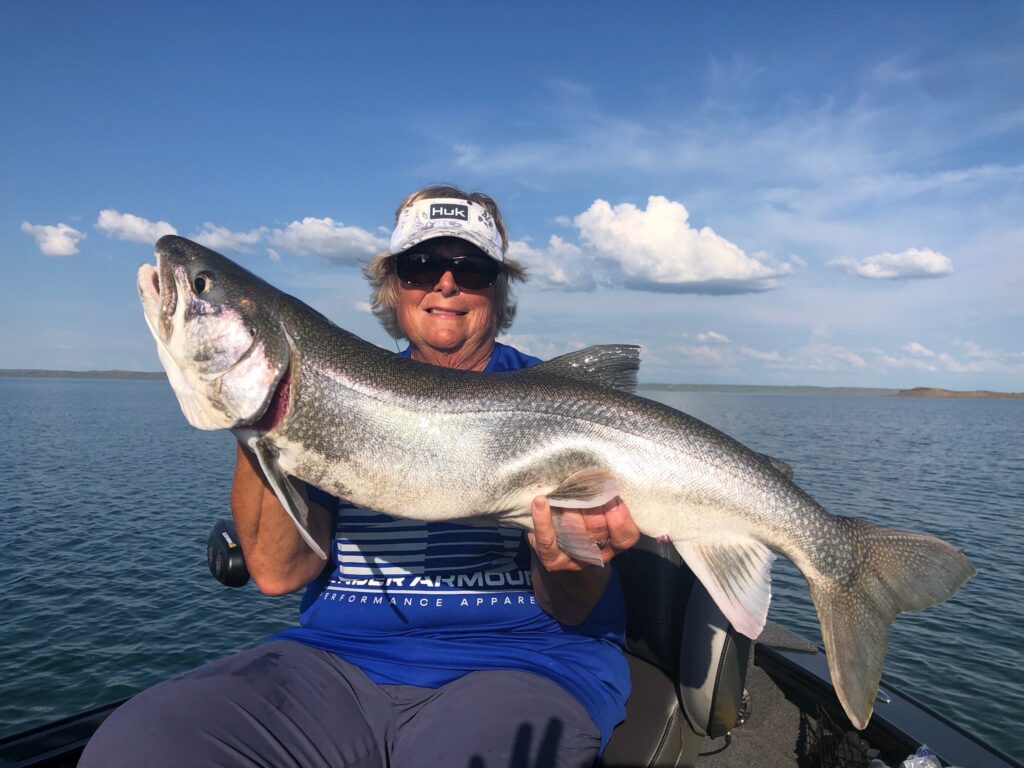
<point>763,193</point>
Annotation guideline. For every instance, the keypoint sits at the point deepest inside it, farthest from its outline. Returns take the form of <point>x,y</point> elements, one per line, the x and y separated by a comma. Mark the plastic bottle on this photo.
<point>922,758</point>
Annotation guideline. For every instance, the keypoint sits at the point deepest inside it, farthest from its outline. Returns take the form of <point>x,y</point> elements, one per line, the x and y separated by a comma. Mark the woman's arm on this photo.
<point>279,561</point>
<point>566,588</point>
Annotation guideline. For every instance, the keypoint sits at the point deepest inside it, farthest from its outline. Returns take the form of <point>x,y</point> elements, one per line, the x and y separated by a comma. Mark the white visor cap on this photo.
<point>447,217</point>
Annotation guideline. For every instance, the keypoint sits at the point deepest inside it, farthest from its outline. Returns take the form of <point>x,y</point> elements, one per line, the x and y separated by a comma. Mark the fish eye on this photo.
<point>202,282</point>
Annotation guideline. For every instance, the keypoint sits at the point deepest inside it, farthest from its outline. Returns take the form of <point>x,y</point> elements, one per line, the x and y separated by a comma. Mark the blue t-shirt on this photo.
<point>415,603</point>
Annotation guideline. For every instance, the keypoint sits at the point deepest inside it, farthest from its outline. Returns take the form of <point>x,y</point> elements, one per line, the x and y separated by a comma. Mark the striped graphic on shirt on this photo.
<point>371,545</point>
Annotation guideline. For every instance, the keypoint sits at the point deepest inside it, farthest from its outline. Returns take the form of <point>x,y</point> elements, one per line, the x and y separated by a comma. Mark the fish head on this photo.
<point>217,333</point>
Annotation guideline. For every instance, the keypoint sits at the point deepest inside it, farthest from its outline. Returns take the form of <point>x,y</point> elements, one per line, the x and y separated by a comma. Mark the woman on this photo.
<point>419,643</point>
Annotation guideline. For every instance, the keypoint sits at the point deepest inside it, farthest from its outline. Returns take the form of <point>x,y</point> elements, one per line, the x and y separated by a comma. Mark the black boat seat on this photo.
<point>687,663</point>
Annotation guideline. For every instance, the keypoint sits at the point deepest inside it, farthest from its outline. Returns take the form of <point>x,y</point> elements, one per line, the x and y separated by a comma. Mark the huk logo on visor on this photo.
<point>449,211</point>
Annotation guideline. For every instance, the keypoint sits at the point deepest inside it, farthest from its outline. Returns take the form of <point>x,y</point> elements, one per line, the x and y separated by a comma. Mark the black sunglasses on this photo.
<point>426,270</point>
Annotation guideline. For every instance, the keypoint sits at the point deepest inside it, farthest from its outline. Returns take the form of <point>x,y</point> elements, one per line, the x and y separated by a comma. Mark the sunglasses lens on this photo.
<point>418,269</point>
<point>426,269</point>
<point>476,274</point>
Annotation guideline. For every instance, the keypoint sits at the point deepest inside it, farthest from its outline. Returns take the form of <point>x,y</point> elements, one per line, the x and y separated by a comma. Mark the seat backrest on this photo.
<point>672,623</point>
<point>712,667</point>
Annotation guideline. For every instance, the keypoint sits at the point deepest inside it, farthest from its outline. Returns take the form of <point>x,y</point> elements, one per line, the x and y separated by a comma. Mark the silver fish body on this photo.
<point>318,404</point>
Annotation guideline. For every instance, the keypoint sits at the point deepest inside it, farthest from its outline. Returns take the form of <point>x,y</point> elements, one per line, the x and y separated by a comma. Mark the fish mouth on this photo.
<point>159,297</point>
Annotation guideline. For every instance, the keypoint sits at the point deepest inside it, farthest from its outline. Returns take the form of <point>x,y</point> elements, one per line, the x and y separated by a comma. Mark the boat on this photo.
<point>703,695</point>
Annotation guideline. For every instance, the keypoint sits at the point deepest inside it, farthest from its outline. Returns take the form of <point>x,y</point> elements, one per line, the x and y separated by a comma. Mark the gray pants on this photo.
<point>284,704</point>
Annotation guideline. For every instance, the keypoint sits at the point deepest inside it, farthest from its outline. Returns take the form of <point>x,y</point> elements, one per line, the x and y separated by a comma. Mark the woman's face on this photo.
<point>447,324</point>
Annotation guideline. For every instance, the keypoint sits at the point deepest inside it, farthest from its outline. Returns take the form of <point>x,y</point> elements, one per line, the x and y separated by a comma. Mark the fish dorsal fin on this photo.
<point>736,572</point>
<point>607,365</point>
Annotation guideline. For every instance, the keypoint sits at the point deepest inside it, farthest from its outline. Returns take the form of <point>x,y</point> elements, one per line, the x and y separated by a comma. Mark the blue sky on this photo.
<point>757,193</point>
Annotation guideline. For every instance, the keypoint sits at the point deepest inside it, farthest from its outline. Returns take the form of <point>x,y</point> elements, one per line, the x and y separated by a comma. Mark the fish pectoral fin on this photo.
<point>289,497</point>
<point>574,539</point>
<point>736,571</point>
<point>608,365</point>
<point>586,489</point>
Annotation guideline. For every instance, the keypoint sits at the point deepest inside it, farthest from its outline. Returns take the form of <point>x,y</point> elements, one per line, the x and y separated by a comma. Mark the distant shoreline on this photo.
<point>980,394</point>
<point>775,389</point>
<point>933,392</point>
<point>39,373</point>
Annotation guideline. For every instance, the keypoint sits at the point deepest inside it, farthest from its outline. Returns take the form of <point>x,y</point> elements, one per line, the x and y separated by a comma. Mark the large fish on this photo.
<point>316,403</point>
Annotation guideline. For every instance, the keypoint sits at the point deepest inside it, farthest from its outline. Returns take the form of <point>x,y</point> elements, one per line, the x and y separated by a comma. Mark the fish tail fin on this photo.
<point>895,571</point>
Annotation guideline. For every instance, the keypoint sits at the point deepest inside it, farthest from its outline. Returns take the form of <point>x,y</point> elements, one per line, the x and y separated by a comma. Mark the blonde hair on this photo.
<point>385,284</point>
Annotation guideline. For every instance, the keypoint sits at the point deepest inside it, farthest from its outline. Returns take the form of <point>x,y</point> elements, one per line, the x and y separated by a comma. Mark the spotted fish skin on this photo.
<point>412,440</point>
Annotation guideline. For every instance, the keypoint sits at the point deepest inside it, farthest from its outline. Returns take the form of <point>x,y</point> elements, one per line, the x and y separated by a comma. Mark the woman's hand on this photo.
<point>278,559</point>
<point>567,588</point>
<point>610,526</point>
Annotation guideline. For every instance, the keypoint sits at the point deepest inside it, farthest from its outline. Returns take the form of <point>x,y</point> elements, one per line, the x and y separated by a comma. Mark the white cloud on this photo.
<point>544,347</point>
<point>916,363</point>
<point>978,360</point>
<point>54,239</point>
<point>363,306</point>
<point>328,239</point>
<point>765,357</point>
<point>274,255</point>
<point>223,239</point>
<point>712,337</point>
<point>727,355</point>
<point>953,365</point>
<point>982,360</point>
<point>657,249</point>
<point>654,249</point>
<point>906,265</point>
<point>560,264</point>
<point>852,359</point>
<point>918,350</point>
<point>128,226</point>
<point>815,356</point>
<point>706,355</point>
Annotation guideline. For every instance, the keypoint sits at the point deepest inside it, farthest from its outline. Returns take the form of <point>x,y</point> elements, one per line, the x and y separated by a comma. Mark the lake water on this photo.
<point>107,496</point>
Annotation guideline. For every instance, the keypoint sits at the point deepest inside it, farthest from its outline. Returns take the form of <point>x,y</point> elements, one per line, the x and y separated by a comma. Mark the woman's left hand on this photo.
<point>566,588</point>
<point>610,526</point>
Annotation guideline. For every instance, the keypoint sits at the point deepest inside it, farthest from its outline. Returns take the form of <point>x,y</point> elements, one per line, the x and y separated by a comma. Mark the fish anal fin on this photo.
<point>736,571</point>
<point>607,365</point>
<point>290,498</point>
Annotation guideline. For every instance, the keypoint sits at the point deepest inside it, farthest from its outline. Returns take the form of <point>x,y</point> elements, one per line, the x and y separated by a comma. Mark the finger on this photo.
<point>543,538</point>
<point>595,523</point>
<point>622,528</point>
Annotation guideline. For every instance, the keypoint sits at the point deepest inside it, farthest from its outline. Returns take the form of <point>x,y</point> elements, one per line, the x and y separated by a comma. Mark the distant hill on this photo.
<point>40,373</point>
<point>974,393</point>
